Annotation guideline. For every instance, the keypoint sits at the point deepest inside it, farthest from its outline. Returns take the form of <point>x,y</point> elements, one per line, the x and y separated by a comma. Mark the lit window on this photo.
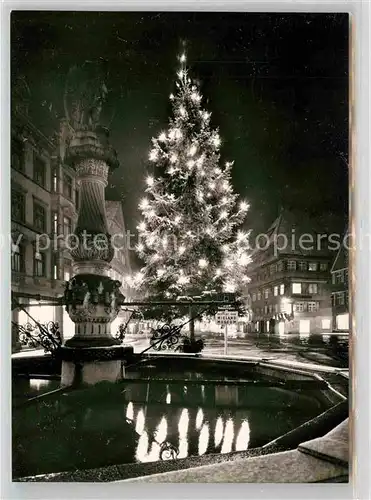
<point>296,288</point>
<point>259,295</point>
<point>313,306</point>
<point>275,291</point>
<point>54,179</point>
<point>304,326</point>
<point>299,306</point>
<point>55,222</point>
<point>312,266</point>
<point>342,322</point>
<point>323,266</point>
<point>302,265</point>
<point>291,265</point>
<point>312,288</point>
<point>254,297</point>
<point>266,293</point>
<point>281,328</point>
<point>282,289</point>
<point>67,269</point>
<point>265,309</point>
<point>326,324</point>
<point>55,269</point>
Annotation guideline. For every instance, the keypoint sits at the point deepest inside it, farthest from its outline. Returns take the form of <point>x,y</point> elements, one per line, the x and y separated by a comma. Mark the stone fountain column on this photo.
<point>92,298</point>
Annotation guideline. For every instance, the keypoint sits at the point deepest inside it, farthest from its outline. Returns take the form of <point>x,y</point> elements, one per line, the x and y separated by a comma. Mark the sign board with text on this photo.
<point>226,317</point>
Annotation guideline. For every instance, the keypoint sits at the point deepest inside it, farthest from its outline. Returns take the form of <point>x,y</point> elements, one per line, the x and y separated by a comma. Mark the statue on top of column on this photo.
<point>84,96</point>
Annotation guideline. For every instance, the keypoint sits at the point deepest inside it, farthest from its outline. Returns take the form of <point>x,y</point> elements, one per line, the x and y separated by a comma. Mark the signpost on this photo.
<point>225,318</point>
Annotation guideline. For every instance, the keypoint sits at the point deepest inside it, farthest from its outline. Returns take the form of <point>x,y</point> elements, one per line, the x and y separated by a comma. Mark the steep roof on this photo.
<point>341,260</point>
<point>296,233</point>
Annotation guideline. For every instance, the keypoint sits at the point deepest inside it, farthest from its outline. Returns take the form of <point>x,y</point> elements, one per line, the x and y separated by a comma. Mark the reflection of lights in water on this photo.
<point>228,437</point>
<point>139,427</point>
<point>203,391</point>
<point>183,448</point>
<point>199,418</point>
<point>183,431</point>
<point>142,448</point>
<point>218,431</point>
<point>243,437</point>
<point>203,440</point>
<point>130,411</point>
<point>183,424</point>
<point>161,431</point>
<point>168,398</point>
<point>37,383</point>
<point>185,389</point>
<point>154,453</point>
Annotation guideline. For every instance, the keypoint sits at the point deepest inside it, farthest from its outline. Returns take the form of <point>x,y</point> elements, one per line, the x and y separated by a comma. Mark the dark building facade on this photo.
<point>290,288</point>
<point>340,290</point>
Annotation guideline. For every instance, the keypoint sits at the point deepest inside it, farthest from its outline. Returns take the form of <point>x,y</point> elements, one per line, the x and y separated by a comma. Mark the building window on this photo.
<point>67,269</point>
<point>39,216</point>
<point>266,293</point>
<point>296,288</point>
<point>338,277</point>
<point>259,295</point>
<point>282,289</point>
<point>312,288</point>
<point>254,297</point>
<point>312,266</point>
<point>291,265</point>
<point>280,266</point>
<point>55,222</point>
<point>323,266</point>
<point>272,269</point>
<point>299,306</point>
<point>67,186</point>
<point>275,291</point>
<point>17,154</point>
<point>302,265</point>
<point>341,298</point>
<point>18,206</point>
<point>326,324</point>
<point>265,309</point>
<point>304,326</point>
<point>55,179</point>
<point>313,306</point>
<point>55,267</point>
<point>17,258</point>
<point>39,264</point>
<point>67,226</point>
<point>276,308</point>
<point>39,170</point>
<point>342,321</point>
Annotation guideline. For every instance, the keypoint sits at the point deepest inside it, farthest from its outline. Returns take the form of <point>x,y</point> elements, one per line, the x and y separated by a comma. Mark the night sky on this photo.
<point>276,84</point>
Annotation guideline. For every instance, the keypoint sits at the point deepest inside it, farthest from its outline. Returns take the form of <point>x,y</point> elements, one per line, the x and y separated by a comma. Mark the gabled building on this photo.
<point>289,290</point>
<point>340,289</point>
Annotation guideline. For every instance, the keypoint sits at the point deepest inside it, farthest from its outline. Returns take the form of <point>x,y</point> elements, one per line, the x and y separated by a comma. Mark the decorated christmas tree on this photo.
<point>190,238</point>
